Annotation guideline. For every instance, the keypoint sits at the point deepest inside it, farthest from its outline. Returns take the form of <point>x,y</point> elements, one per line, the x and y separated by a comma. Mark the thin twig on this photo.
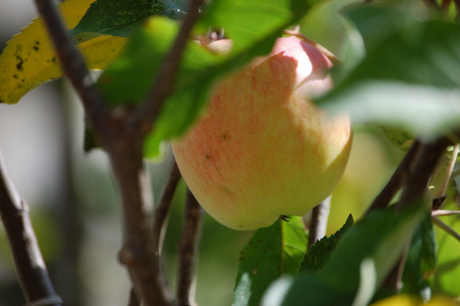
<point>448,174</point>
<point>30,267</point>
<point>161,213</point>
<point>397,180</point>
<point>74,67</point>
<point>446,228</point>
<point>318,223</point>
<point>188,251</point>
<point>444,213</point>
<point>164,83</point>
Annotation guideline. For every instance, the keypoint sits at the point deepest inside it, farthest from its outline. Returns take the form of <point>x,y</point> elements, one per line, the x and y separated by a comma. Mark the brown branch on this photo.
<point>123,142</point>
<point>397,180</point>
<point>318,223</point>
<point>138,252</point>
<point>427,160</point>
<point>414,190</point>
<point>161,213</point>
<point>74,67</point>
<point>164,83</point>
<point>30,267</point>
<point>133,300</point>
<point>188,251</point>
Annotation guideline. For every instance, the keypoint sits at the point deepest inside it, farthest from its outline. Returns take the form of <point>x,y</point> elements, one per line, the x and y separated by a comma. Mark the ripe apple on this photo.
<point>263,149</point>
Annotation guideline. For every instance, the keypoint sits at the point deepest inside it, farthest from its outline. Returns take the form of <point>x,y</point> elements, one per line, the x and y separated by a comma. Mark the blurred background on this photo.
<point>73,198</point>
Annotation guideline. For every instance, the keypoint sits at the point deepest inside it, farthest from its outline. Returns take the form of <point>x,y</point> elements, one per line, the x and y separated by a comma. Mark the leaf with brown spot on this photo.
<point>29,59</point>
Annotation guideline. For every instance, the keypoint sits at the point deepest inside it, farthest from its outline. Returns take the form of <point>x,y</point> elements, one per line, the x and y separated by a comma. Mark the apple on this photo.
<point>262,149</point>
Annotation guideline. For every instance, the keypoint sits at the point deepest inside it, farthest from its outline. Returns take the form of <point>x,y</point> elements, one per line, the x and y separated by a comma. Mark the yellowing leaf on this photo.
<point>410,300</point>
<point>29,59</point>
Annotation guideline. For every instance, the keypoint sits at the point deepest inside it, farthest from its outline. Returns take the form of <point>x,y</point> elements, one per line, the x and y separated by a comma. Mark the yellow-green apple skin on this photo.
<point>262,149</point>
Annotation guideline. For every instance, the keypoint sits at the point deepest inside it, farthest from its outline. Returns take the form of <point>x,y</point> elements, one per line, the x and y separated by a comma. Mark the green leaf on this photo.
<point>247,22</point>
<point>410,81</point>
<point>319,254</point>
<point>119,18</point>
<point>271,252</point>
<point>129,78</point>
<point>399,138</point>
<point>363,258</point>
<point>420,264</point>
<point>376,22</point>
<point>447,275</point>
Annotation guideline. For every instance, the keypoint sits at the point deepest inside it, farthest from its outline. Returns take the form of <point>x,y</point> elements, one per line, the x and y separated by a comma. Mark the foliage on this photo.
<point>319,253</point>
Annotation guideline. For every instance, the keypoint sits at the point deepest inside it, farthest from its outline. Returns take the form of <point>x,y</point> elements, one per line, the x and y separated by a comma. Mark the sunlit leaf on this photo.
<point>29,59</point>
<point>319,253</point>
<point>363,258</point>
<point>271,252</point>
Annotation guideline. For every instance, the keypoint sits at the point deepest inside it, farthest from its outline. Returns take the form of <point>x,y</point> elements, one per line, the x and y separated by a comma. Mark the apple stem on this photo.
<point>188,251</point>
<point>318,223</point>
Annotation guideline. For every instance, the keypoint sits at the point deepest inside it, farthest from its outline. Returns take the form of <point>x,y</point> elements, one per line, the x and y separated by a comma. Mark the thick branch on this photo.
<point>74,67</point>
<point>164,83</point>
<point>397,180</point>
<point>30,267</point>
<point>416,189</point>
<point>133,300</point>
<point>417,185</point>
<point>161,213</point>
<point>318,223</point>
<point>188,251</point>
<point>138,252</point>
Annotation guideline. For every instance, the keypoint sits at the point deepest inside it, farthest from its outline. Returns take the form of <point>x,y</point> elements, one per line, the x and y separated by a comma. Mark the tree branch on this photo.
<point>138,252</point>
<point>74,67</point>
<point>161,213</point>
<point>318,223</point>
<point>133,300</point>
<point>417,185</point>
<point>416,189</point>
<point>445,228</point>
<point>443,213</point>
<point>397,180</point>
<point>30,267</point>
<point>123,139</point>
<point>164,83</point>
<point>188,251</point>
